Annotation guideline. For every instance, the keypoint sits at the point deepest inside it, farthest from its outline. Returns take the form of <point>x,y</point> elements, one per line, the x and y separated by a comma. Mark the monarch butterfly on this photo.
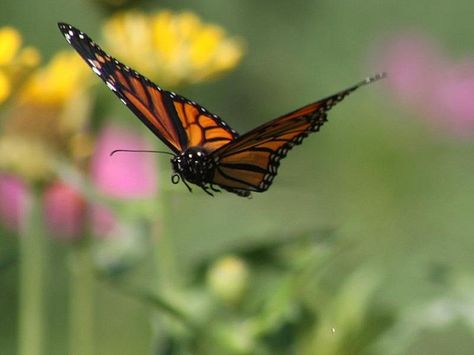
<point>206,151</point>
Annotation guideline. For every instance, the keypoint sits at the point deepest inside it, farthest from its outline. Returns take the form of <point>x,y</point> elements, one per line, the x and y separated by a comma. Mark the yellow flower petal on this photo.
<point>15,63</point>
<point>132,28</point>
<point>10,42</point>
<point>4,87</point>
<point>187,25</point>
<point>204,46</point>
<point>58,81</point>
<point>29,57</point>
<point>35,131</point>
<point>166,38</point>
<point>229,56</point>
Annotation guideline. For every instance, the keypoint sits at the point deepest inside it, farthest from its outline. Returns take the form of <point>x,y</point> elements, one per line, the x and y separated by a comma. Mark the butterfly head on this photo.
<point>194,165</point>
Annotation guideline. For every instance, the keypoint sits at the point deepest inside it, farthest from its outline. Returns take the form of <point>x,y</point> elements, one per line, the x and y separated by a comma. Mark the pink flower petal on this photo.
<point>14,196</point>
<point>421,78</point>
<point>64,211</point>
<point>454,97</point>
<point>123,175</point>
<point>413,63</point>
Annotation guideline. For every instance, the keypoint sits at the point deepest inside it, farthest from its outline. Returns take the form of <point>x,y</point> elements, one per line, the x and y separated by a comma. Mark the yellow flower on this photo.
<point>14,60</point>
<point>51,110</point>
<point>29,57</point>
<point>24,156</point>
<point>58,82</point>
<point>172,48</point>
<point>10,42</point>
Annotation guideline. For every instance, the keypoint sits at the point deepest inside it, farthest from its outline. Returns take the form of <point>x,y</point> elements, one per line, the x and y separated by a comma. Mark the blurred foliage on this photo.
<point>363,245</point>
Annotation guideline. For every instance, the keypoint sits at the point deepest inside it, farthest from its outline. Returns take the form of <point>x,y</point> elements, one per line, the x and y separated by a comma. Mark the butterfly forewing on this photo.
<point>203,129</point>
<point>177,121</point>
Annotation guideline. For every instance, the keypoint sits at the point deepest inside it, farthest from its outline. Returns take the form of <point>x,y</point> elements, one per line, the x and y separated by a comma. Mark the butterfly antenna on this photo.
<point>139,151</point>
<point>374,78</point>
<point>369,80</point>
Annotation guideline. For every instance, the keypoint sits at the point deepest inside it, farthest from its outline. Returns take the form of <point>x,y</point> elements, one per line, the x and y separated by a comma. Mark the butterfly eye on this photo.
<point>175,178</point>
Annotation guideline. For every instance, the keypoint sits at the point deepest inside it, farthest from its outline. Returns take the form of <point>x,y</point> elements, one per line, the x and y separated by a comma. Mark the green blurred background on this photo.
<point>396,189</point>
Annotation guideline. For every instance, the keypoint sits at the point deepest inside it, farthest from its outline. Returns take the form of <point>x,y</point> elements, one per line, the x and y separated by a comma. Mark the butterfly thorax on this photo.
<point>194,165</point>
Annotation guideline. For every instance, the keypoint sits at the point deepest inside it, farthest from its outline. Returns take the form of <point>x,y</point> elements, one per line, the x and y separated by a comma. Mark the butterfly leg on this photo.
<point>214,189</point>
<point>206,190</point>
<point>187,185</point>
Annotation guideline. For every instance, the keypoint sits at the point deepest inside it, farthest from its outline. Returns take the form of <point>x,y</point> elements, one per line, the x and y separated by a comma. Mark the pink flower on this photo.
<point>412,63</point>
<point>14,196</point>
<point>64,211</point>
<point>67,214</point>
<point>454,98</point>
<point>123,175</point>
<point>422,78</point>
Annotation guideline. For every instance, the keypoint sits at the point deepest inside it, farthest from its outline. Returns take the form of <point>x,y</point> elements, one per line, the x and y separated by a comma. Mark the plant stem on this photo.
<point>163,305</point>
<point>81,302</point>
<point>167,272</point>
<point>32,251</point>
<point>167,308</point>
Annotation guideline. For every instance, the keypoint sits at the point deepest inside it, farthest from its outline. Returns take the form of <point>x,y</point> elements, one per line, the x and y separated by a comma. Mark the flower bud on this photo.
<point>227,278</point>
<point>64,211</point>
<point>13,201</point>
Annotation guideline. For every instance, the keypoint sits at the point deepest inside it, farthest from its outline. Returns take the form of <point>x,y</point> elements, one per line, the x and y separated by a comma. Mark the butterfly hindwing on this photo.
<point>250,163</point>
<point>177,121</point>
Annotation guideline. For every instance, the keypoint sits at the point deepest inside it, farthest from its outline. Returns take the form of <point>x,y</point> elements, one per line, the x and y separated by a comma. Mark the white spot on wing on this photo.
<point>96,70</point>
<point>111,86</point>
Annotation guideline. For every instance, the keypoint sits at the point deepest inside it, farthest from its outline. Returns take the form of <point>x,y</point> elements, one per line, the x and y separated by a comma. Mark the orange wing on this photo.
<point>250,162</point>
<point>202,128</point>
<point>177,121</point>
